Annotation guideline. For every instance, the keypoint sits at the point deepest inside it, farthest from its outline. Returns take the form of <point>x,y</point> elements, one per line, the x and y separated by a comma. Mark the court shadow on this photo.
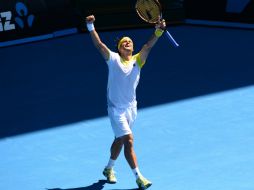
<point>95,186</point>
<point>59,87</point>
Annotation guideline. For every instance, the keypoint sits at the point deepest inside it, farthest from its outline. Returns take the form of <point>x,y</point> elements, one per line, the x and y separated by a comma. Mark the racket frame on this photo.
<point>147,20</point>
<point>170,37</point>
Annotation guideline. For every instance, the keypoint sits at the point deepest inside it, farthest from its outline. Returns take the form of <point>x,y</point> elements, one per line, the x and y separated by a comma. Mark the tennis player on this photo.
<point>124,73</point>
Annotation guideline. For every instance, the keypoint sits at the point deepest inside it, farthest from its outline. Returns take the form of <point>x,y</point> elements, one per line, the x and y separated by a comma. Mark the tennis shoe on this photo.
<point>143,183</point>
<point>110,175</point>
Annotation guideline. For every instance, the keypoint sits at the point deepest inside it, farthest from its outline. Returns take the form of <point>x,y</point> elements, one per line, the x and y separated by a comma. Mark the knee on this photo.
<point>128,141</point>
<point>118,142</point>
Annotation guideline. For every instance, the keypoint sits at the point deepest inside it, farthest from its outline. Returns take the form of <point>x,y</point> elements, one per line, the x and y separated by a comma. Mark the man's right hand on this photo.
<point>90,19</point>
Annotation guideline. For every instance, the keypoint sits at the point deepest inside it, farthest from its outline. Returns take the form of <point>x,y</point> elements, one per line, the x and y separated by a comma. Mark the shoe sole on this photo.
<point>108,181</point>
<point>111,182</point>
<point>143,188</point>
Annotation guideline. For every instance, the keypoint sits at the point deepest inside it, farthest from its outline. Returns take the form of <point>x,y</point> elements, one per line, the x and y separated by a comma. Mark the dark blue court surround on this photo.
<point>61,81</point>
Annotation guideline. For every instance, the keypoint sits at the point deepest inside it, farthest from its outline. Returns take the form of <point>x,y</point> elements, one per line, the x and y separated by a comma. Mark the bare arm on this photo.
<point>161,25</point>
<point>103,49</point>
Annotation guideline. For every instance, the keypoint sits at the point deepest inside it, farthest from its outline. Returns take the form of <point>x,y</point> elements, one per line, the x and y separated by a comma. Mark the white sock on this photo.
<point>136,172</point>
<point>111,163</point>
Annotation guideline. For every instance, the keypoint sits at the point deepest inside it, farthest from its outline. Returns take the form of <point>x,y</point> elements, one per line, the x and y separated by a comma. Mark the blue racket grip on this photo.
<point>172,39</point>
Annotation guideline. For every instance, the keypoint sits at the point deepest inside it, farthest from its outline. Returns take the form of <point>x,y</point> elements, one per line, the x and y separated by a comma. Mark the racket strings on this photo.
<point>149,10</point>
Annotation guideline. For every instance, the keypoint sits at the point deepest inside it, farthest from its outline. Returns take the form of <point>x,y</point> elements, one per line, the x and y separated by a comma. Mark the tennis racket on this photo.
<point>150,11</point>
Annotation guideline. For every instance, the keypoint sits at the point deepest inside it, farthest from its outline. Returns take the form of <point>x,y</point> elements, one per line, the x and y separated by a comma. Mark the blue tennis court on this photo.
<point>195,119</point>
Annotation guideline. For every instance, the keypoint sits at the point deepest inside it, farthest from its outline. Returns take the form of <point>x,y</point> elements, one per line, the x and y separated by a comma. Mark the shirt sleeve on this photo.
<point>138,60</point>
<point>112,57</point>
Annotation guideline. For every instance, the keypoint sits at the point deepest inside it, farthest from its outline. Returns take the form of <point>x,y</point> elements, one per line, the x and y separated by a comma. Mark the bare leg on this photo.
<point>116,148</point>
<point>127,142</point>
<point>129,151</point>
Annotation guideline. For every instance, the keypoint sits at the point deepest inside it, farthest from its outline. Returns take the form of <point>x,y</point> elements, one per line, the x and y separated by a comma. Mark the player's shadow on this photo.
<point>95,186</point>
<point>126,189</point>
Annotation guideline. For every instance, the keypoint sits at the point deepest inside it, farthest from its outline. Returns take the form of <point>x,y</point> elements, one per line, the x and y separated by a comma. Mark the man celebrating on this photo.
<point>124,73</point>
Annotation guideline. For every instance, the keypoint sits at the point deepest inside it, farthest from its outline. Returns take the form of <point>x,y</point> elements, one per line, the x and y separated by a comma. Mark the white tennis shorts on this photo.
<point>122,120</point>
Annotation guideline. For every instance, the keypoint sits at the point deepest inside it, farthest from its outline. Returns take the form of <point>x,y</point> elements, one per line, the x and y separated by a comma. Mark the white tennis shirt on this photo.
<point>123,78</point>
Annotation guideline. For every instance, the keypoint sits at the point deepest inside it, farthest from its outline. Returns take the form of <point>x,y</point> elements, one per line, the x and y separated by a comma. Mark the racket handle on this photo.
<point>172,39</point>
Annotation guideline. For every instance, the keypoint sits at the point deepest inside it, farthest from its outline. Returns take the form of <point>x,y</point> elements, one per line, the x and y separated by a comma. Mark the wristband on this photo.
<point>158,32</point>
<point>90,27</point>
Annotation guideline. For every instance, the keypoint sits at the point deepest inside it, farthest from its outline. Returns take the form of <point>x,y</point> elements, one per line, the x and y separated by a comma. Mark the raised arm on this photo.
<point>103,49</point>
<point>144,52</point>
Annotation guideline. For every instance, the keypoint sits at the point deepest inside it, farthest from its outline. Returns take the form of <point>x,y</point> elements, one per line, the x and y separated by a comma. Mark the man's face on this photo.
<point>126,44</point>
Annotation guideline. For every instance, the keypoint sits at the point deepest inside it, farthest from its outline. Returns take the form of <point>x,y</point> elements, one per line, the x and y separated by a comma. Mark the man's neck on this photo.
<point>126,56</point>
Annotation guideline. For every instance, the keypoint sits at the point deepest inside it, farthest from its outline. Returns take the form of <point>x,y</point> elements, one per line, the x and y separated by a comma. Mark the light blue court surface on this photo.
<point>201,143</point>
